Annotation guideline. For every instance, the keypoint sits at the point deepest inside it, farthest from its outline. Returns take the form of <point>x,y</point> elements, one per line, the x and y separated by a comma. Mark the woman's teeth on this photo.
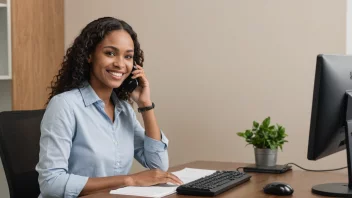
<point>115,74</point>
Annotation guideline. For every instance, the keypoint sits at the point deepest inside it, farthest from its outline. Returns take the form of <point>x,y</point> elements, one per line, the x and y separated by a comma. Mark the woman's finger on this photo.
<point>173,179</point>
<point>137,76</point>
<point>137,72</point>
<point>166,180</point>
<point>139,67</point>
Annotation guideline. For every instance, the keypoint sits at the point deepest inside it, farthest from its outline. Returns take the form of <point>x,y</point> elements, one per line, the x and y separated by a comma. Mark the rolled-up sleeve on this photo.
<point>57,130</point>
<point>153,145</point>
<point>149,152</point>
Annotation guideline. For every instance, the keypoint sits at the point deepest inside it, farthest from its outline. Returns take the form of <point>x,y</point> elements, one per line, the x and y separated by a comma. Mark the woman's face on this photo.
<point>112,60</point>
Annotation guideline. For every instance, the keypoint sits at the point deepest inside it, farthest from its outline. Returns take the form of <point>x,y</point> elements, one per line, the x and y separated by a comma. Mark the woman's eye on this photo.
<point>110,53</point>
<point>129,57</point>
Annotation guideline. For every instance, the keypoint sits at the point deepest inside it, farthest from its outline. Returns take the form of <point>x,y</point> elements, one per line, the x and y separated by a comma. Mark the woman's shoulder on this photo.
<point>60,109</point>
<point>65,98</point>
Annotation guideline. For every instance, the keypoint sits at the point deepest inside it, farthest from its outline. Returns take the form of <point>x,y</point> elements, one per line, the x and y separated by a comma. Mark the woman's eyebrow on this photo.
<point>116,49</point>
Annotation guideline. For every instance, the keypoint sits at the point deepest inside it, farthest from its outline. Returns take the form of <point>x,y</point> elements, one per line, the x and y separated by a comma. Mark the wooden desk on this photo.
<point>301,181</point>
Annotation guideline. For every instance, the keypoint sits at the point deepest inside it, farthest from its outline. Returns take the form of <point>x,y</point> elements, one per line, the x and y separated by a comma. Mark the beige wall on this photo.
<point>214,67</point>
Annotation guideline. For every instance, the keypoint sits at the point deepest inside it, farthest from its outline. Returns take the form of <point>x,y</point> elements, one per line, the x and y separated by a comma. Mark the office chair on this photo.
<point>19,151</point>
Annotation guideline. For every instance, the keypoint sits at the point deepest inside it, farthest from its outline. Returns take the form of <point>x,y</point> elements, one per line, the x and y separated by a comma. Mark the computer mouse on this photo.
<point>278,188</point>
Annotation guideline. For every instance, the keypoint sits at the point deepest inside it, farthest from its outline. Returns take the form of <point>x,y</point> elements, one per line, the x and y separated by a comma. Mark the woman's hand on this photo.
<point>153,177</point>
<point>141,95</point>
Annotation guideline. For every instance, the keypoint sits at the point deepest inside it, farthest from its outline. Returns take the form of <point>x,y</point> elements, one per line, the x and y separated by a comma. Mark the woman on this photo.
<point>89,133</point>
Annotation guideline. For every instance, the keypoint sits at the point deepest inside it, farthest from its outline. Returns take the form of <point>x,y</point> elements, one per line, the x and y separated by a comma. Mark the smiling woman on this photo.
<point>89,133</point>
<point>112,60</point>
<point>100,36</point>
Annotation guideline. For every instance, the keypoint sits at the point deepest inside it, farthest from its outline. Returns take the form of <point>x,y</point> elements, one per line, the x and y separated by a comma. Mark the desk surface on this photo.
<point>301,181</point>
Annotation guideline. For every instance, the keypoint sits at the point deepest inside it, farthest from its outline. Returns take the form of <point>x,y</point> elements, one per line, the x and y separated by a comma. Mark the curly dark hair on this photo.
<point>75,69</point>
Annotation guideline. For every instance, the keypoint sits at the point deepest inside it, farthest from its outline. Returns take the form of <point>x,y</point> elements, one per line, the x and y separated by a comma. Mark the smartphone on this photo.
<point>130,84</point>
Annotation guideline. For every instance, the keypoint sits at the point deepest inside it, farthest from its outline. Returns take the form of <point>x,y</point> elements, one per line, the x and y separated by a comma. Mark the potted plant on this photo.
<point>266,139</point>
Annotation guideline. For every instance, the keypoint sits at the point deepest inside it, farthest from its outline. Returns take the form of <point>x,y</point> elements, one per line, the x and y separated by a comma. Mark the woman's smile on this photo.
<point>115,75</point>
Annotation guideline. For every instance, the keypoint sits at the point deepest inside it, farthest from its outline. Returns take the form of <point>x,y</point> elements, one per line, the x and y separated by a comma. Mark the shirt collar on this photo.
<point>117,102</point>
<point>89,96</point>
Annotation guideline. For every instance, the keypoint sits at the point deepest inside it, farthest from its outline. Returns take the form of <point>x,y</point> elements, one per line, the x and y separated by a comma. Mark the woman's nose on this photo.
<point>119,63</point>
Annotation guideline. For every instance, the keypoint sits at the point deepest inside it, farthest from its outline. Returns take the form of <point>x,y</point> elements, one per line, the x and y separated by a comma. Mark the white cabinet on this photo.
<point>5,40</point>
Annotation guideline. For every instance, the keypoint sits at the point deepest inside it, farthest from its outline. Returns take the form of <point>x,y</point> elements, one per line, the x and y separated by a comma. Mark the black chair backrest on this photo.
<point>19,150</point>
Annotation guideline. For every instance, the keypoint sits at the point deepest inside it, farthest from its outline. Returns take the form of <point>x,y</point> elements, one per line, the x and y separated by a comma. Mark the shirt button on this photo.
<point>118,164</point>
<point>115,142</point>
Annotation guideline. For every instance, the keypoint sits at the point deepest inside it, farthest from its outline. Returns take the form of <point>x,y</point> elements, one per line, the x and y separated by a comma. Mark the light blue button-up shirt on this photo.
<point>78,140</point>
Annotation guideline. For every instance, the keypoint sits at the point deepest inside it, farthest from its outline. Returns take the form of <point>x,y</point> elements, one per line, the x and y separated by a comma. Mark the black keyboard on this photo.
<point>213,184</point>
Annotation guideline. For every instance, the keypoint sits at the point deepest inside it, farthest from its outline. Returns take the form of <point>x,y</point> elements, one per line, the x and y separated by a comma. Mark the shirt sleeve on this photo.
<point>57,130</point>
<point>149,152</point>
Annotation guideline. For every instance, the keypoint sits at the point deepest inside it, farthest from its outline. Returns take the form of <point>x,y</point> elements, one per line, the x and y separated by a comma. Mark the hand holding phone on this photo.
<point>140,95</point>
<point>130,83</point>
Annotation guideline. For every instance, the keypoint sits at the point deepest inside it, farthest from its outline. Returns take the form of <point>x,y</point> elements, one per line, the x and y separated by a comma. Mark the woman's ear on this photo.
<point>90,59</point>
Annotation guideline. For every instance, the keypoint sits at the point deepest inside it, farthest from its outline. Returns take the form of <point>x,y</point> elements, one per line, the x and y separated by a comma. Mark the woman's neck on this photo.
<point>103,92</point>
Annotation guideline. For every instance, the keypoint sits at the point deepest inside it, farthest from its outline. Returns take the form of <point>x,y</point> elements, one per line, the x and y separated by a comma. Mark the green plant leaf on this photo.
<point>240,134</point>
<point>266,122</point>
<point>260,132</point>
<point>272,146</point>
<point>255,125</point>
<point>248,134</point>
<point>273,134</point>
<point>281,131</point>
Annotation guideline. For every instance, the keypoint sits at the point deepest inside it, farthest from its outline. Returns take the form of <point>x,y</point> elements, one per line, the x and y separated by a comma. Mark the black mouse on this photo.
<point>278,188</point>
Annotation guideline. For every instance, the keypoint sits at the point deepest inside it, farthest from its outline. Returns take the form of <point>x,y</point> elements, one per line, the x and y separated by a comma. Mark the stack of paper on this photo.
<point>186,175</point>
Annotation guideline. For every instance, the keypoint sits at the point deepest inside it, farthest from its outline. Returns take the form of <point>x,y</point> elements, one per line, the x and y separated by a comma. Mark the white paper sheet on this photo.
<point>186,175</point>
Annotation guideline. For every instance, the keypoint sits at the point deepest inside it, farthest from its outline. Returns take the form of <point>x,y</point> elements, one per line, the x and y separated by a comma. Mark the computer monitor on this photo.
<point>331,118</point>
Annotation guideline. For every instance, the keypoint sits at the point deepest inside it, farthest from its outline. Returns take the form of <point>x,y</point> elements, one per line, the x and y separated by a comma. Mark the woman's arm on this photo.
<point>97,184</point>
<point>149,152</point>
<point>150,143</point>
<point>57,130</point>
<point>141,95</point>
<point>145,178</point>
<point>151,127</point>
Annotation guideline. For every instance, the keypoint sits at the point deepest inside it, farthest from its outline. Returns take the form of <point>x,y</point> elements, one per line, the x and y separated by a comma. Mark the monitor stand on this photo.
<point>341,189</point>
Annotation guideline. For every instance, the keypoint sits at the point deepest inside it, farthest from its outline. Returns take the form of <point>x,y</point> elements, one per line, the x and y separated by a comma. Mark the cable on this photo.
<point>239,168</point>
<point>291,163</point>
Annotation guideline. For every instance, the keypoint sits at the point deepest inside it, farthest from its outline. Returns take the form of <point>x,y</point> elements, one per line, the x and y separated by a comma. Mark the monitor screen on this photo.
<point>331,117</point>
<point>333,77</point>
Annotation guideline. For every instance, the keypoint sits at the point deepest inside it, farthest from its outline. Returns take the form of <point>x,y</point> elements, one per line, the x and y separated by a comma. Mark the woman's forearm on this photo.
<point>151,127</point>
<point>97,184</point>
